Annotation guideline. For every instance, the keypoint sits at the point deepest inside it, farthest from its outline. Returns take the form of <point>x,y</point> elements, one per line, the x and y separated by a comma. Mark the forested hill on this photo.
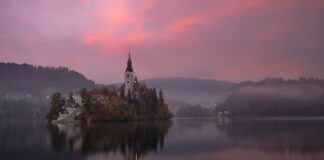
<point>276,97</point>
<point>24,79</point>
<point>24,88</point>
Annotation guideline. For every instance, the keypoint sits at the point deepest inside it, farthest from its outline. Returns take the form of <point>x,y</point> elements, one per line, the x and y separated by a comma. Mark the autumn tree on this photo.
<point>87,100</point>
<point>56,107</point>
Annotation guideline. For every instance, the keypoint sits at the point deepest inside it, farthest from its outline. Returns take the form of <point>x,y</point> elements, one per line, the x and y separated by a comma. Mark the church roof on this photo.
<point>129,67</point>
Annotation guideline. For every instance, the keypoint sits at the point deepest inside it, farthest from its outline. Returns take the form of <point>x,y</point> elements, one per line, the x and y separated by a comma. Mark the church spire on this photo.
<point>129,63</point>
<point>129,56</point>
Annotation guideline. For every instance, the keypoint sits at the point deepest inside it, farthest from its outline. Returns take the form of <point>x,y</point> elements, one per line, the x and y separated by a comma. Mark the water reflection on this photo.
<point>286,136</point>
<point>190,139</point>
<point>245,139</point>
<point>132,140</point>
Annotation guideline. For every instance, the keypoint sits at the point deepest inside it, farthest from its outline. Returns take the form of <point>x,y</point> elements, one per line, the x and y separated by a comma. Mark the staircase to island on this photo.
<point>69,116</point>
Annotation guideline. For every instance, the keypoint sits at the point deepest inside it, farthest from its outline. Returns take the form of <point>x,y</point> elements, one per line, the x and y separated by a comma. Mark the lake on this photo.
<point>180,138</point>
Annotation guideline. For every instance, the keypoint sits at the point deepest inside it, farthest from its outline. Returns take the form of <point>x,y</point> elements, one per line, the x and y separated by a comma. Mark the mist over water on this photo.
<point>285,138</point>
<point>299,92</point>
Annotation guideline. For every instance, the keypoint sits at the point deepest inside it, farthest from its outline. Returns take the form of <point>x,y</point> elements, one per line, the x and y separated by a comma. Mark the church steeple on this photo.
<point>130,77</point>
<point>129,56</point>
<point>129,63</point>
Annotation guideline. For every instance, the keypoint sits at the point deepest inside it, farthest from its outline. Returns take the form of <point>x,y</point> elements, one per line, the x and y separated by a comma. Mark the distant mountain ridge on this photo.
<point>24,87</point>
<point>189,85</point>
<point>18,79</point>
<point>189,90</point>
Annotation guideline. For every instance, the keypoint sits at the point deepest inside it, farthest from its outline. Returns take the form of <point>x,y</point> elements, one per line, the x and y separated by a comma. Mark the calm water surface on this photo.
<point>225,139</point>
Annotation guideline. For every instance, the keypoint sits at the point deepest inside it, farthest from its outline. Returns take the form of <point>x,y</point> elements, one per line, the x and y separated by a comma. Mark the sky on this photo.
<point>234,40</point>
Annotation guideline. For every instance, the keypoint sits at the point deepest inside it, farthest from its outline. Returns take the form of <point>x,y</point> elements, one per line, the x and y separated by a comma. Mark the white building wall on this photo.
<point>129,81</point>
<point>77,99</point>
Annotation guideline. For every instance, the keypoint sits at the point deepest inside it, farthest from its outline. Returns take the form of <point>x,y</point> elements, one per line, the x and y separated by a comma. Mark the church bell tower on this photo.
<point>130,78</point>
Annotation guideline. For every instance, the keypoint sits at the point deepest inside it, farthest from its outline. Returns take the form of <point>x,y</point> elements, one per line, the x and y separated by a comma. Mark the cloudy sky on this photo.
<point>233,40</point>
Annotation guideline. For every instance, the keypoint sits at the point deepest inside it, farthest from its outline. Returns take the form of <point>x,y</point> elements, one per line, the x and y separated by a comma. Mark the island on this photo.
<point>133,101</point>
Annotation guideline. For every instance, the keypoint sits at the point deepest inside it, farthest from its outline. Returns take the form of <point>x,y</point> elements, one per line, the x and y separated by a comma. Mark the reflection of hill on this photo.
<point>281,136</point>
<point>131,139</point>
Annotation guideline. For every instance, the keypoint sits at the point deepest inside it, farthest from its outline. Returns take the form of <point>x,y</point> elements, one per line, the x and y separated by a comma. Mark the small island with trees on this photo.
<point>133,101</point>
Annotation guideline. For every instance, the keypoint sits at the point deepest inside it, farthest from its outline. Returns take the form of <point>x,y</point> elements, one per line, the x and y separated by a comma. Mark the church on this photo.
<point>131,83</point>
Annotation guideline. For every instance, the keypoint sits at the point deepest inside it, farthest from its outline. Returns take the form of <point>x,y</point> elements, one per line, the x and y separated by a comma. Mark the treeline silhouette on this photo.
<point>24,88</point>
<point>276,97</point>
<point>18,79</point>
<point>194,111</point>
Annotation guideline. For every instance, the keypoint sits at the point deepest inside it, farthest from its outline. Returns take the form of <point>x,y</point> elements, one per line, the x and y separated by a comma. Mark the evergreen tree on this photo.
<point>161,97</point>
<point>114,92</point>
<point>56,107</point>
<point>122,94</point>
<point>154,96</point>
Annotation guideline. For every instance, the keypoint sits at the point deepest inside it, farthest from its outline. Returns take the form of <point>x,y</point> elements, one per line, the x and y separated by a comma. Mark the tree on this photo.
<point>122,94</point>
<point>87,100</point>
<point>114,92</point>
<point>154,96</point>
<point>161,97</point>
<point>56,107</point>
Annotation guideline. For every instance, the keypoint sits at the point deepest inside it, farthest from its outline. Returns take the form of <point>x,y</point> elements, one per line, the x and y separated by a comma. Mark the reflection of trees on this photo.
<point>305,137</point>
<point>57,138</point>
<point>132,139</point>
